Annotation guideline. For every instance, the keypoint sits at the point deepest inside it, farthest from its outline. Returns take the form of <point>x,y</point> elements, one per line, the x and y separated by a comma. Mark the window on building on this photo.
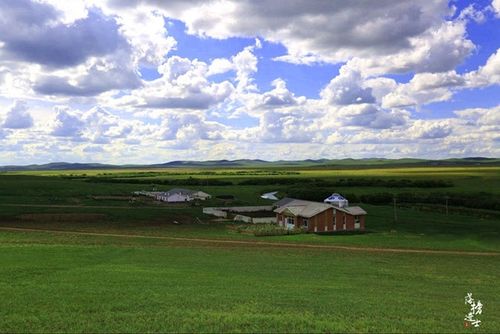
<point>357,221</point>
<point>305,222</point>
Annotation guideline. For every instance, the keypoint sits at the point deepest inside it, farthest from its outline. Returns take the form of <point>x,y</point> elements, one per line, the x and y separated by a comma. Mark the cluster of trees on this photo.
<point>185,182</point>
<point>481,200</point>
<point>350,182</point>
<point>282,181</point>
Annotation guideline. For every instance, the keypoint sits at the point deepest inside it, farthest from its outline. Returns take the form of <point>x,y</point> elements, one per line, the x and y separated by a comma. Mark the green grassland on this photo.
<point>57,282</point>
<point>91,284</point>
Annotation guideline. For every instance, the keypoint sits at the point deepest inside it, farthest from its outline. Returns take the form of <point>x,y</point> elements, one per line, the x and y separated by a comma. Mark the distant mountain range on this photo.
<point>340,163</point>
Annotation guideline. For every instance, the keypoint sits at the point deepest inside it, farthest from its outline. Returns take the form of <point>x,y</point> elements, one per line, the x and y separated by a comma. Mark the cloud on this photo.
<point>280,96</point>
<point>145,31</point>
<point>96,125</point>
<point>284,127</point>
<point>193,101</point>
<point>346,88</point>
<point>38,36</point>
<point>369,116</point>
<point>396,36</point>
<point>427,81</point>
<point>97,79</point>
<point>495,4</point>
<point>483,118</point>
<point>439,49</point>
<point>93,149</point>
<point>424,88</point>
<point>431,130</point>
<point>219,66</point>
<point>332,30</point>
<point>472,13</point>
<point>185,130</point>
<point>79,65</point>
<point>245,65</point>
<point>18,117</point>
<point>67,124</point>
<point>486,75</point>
<point>183,85</point>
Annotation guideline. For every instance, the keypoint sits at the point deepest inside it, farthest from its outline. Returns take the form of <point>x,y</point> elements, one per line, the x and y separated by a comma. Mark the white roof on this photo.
<point>354,210</point>
<point>302,208</point>
<point>200,193</point>
<point>335,197</point>
<point>308,209</point>
<point>271,195</point>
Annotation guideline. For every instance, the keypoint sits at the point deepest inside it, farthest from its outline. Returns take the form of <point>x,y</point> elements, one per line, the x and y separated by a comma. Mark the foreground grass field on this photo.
<point>102,284</point>
<point>148,281</point>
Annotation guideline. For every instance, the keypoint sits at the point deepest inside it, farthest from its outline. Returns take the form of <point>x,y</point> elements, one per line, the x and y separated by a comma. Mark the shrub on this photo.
<point>261,230</point>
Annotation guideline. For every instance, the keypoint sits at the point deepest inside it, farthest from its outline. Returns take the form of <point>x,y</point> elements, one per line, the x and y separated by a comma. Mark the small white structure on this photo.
<point>172,197</point>
<point>215,212</point>
<point>175,195</point>
<point>182,195</point>
<point>198,194</point>
<point>271,195</point>
<point>337,200</point>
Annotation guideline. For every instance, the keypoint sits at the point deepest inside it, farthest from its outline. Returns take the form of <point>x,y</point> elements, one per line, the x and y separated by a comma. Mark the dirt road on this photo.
<point>262,243</point>
<point>169,207</point>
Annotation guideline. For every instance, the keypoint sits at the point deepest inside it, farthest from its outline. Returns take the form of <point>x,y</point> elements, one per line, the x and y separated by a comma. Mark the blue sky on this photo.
<point>303,80</point>
<point>153,82</point>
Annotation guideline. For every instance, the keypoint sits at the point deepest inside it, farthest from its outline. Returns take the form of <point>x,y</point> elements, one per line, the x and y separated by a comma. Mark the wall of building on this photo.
<point>241,218</point>
<point>215,212</point>
<point>178,198</point>
<point>246,208</point>
<point>263,220</point>
<point>324,222</point>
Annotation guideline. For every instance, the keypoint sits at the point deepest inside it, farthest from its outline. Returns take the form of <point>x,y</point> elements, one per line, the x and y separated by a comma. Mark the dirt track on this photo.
<point>93,206</point>
<point>262,243</point>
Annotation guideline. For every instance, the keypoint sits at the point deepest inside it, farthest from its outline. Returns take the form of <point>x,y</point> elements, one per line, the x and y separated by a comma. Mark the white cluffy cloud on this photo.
<point>18,117</point>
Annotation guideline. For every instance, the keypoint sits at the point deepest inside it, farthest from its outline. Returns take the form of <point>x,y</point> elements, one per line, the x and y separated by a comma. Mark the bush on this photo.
<point>261,230</point>
<point>350,182</point>
<point>377,198</point>
<point>185,182</point>
<point>480,200</point>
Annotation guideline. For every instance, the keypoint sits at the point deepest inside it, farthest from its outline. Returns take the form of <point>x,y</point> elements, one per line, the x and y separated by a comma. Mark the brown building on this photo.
<point>319,217</point>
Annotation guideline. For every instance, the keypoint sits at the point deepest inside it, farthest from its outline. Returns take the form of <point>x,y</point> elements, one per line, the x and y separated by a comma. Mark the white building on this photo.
<point>182,195</point>
<point>271,196</point>
<point>337,200</point>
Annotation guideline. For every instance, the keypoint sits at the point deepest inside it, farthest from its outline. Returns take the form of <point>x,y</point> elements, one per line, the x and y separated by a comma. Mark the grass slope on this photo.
<point>75,283</point>
<point>91,284</point>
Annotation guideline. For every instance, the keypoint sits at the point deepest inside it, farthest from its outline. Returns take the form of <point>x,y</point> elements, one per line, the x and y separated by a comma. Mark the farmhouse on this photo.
<point>175,195</point>
<point>182,195</point>
<point>319,217</point>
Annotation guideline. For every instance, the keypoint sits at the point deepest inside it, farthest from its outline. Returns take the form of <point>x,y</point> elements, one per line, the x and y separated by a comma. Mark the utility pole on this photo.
<point>395,212</point>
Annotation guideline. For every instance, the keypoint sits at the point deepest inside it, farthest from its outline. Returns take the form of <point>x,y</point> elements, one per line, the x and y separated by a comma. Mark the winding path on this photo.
<point>261,243</point>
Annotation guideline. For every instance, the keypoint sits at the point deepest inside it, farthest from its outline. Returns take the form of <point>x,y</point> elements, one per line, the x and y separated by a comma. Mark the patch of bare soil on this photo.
<point>114,198</point>
<point>62,217</point>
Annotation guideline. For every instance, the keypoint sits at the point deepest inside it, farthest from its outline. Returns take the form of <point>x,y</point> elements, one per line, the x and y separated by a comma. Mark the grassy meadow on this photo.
<point>144,280</point>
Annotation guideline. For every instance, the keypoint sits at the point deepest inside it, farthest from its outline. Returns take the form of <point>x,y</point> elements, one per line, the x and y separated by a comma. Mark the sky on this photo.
<point>150,81</point>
